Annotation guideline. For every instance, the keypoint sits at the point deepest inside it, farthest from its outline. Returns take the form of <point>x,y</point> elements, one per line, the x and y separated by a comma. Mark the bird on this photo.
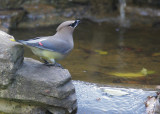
<point>56,47</point>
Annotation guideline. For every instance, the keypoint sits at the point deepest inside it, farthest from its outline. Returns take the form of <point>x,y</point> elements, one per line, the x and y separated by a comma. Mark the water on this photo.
<point>129,50</point>
<point>122,4</point>
<point>102,49</point>
<point>91,100</point>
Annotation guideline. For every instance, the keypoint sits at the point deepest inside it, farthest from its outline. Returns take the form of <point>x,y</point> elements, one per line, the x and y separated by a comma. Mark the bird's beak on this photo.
<point>76,22</point>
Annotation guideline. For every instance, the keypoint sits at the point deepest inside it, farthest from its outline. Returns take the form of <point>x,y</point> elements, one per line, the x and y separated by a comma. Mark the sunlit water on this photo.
<point>91,100</point>
<point>119,50</point>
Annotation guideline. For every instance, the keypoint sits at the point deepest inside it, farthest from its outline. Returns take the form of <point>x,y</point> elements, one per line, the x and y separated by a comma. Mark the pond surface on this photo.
<point>92,100</point>
<point>107,54</point>
<point>102,50</point>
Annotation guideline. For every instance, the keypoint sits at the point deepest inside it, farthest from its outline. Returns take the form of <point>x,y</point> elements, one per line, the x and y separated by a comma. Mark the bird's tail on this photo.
<point>20,41</point>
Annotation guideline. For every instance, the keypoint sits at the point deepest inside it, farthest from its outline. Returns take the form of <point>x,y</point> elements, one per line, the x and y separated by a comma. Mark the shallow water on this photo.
<point>101,49</point>
<point>91,100</point>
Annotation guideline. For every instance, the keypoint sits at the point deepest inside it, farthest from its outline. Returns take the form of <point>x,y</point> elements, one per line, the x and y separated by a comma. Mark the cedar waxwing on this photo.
<point>56,47</point>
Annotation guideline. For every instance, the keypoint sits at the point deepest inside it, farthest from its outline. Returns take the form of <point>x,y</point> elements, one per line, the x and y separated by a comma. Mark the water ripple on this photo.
<point>92,100</point>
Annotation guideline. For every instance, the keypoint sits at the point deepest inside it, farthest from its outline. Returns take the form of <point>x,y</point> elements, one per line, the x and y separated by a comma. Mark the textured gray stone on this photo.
<point>31,85</point>
<point>56,11</point>
<point>51,12</point>
<point>11,107</point>
<point>40,84</point>
<point>11,57</point>
<point>11,4</point>
<point>11,18</point>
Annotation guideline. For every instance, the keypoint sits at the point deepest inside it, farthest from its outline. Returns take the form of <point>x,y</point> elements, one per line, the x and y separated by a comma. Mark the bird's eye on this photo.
<point>72,25</point>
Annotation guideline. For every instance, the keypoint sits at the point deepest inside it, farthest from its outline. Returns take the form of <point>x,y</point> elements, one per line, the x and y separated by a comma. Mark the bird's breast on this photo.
<point>46,54</point>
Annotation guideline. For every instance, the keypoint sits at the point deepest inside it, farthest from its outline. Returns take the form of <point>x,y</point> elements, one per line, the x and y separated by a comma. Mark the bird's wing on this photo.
<point>32,41</point>
<point>48,43</point>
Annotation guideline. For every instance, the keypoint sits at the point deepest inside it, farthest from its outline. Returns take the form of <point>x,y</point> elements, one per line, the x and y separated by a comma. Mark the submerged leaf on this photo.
<point>142,73</point>
<point>155,54</point>
<point>101,52</point>
<point>127,75</point>
<point>150,72</point>
<point>113,92</point>
<point>146,72</point>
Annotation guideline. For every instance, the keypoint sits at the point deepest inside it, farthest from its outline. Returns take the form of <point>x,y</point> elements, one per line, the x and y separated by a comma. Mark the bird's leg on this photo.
<point>45,61</point>
<point>52,64</point>
<point>55,64</point>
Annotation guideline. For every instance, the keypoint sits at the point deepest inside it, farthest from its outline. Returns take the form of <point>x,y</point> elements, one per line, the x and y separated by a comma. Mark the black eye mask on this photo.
<point>73,24</point>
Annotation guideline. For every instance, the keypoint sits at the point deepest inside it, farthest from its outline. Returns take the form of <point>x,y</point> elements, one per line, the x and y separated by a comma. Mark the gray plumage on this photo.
<point>56,47</point>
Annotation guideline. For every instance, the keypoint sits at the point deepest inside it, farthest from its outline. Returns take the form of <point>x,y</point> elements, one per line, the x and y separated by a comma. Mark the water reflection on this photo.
<point>97,43</point>
<point>121,44</point>
<point>122,13</point>
<point>128,50</point>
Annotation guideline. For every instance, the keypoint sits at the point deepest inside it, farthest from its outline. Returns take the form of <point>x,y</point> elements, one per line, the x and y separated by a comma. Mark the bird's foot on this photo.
<point>50,64</point>
<point>45,61</point>
<point>58,65</point>
<point>55,64</point>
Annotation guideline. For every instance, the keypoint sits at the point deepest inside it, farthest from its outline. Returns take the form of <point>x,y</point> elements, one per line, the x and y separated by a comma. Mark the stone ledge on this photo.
<point>45,89</point>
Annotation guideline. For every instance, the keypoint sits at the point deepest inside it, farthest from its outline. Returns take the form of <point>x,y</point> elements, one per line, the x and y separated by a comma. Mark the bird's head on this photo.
<point>68,26</point>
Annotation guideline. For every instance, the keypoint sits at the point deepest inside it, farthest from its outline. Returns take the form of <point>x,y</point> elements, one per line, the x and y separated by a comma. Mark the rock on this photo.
<point>11,18</point>
<point>11,107</point>
<point>30,87</point>
<point>11,57</point>
<point>143,11</point>
<point>153,104</point>
<point>55,12</point>
<point>11,4</point>
<point>98,11</point>
<point>41,15</point>
<point>42,85</point>
<point>144,3</point>
<point>50,12</point>
<point>2,28</point>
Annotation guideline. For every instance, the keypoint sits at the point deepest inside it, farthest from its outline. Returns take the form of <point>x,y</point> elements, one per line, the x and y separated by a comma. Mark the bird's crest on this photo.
<point>66,23</point>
